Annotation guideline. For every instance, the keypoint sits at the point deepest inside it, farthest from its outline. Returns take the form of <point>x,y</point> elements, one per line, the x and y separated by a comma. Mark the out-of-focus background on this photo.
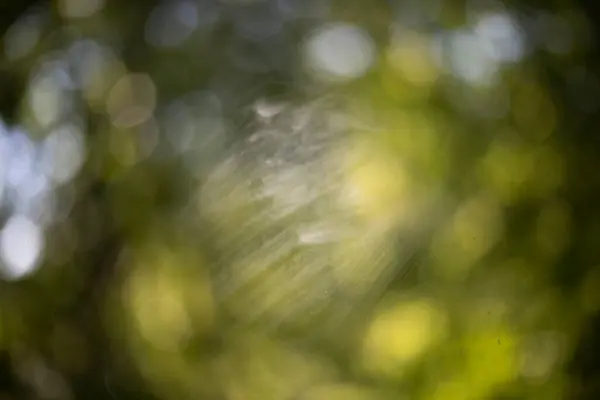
<point>299,199</point>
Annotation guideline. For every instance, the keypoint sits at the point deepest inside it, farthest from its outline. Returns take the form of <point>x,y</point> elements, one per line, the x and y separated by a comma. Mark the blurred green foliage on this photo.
<point>285,199</point>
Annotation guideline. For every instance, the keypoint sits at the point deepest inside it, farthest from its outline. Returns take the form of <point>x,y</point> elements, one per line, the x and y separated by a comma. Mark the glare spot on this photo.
<point>169,24</point>
<point>340,51</point>
<point>21,155</point>
<point>30,196</point>
<point>502,39</point>
<point>64,153</point>
<point>21,245</point>
<point>266,110</point>
<point>79,8</point>
<point>3,158</point>
<point>131,100</point>
<point>469,61</point>
<point>22,37</point>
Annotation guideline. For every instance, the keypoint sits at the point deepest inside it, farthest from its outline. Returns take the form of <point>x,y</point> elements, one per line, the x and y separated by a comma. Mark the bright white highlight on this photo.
<point>502,39</point>
<point>339,51</point>
<point>64,153</point>
<point>21,244</point>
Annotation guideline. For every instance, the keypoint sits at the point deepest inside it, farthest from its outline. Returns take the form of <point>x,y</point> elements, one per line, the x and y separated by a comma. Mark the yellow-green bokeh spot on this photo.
<point>474,229</point>
<point>491,357</point>
<point>490,361</point>
<point>408,69</point>
<point>379,186</point>
<point>167,302</point>
<point>401,333</point>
